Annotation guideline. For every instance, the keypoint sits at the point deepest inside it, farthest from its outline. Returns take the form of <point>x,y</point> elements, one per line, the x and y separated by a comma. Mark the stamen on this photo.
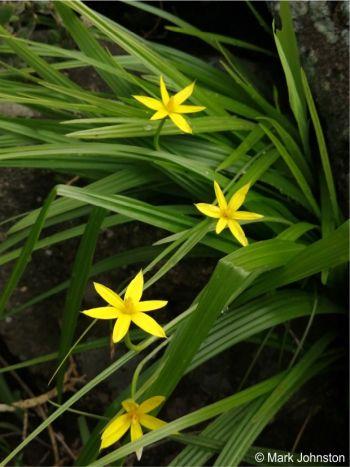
<point>129,305</point>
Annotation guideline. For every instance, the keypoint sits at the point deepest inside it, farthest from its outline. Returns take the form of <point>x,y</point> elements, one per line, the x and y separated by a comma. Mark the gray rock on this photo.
<point>322,29</point>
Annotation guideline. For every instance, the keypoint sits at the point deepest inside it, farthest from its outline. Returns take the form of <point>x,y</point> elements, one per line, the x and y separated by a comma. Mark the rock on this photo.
<point>322,30</point>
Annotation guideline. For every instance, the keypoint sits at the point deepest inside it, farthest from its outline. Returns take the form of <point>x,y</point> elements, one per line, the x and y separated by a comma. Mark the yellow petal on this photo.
<point>107,294</point>
<point>220,196</point>
<point>184,94</point>
<point>221,224</point>
<point>247,216</point>
<point>188,109</point>
<point>151,403</point>
<point>135,288</point>
<point>149,102</point>
<point>148,324</point>
<point>159,115</point>
<point>238,198</point>
<point>208,209</point>
<point>103,312</point>
<point>121,327</point>
<point>180,122</point>
<point>135,431</point>
<point>115,431</point>
<point>152,423</point>
<point>150,305</point>
<point>163,91</point>
<point>237,232</point>
<point>115,425</point>
<point>129,404</point>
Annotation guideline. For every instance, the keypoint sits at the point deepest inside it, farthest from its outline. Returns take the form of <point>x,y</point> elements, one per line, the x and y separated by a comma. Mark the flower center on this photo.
<point>134,416</point>
<point>226,214</point>
<point>170,105</point>
<point>129,305</point>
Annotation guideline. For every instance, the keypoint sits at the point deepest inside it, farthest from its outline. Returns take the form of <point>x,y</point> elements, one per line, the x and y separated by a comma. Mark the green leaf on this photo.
<point>322,148</point>
<point>326,253</point>
<point>287,48</point>
<point>238,444</point>
<point>233,326</point>
<point>125,258</point>
<point>148,128</point>
<point>213,39</point>
<point>25,255</point>
<point>233,274</point>
<point>293,167</point>
<point>293,148</point>
<point>107,372</point>
<point>79,278</point>
<point>43,68</point>
<point>91,47</point>
<point>241,323</point>
<point>253,137</point>
<point>194,418</point>
<point>6,12</point>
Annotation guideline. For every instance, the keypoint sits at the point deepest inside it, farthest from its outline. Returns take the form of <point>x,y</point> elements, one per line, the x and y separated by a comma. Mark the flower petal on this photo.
<point>135,288</point>
<point>184,94</point>
<point>247,216</point>
<point>238,198</point>
<point>135,431</point>
<point>208,209</point>
<point>129,404</point>
<point>237,232</point>
<point>150,305</point>
<point>221,224</point>
<point>148,324</point>
<point>220,196</point>
<point>109,296</point>
<point>149,102</point>
<point>187,109</point>
<point>103,312</point>
<point>115,425</point>
<point>163,91</point>
<point>180,122</point>
<point>151,403</point>
<point>159,115</point>
<point>152,423</point>
<point>138,453</point>
<point>115,431</point>
<point>121,327</point>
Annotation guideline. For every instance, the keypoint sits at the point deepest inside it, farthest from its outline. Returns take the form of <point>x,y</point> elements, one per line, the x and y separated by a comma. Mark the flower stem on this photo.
<point>131,346</point>
<point>156,136</point>
<point>140,366</point>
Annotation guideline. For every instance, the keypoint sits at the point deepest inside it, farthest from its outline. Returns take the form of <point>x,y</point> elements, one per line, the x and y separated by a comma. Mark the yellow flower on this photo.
<point>135,416</point>
<point>131,309</point>
<point>171,106</point>
<point>228,214</point>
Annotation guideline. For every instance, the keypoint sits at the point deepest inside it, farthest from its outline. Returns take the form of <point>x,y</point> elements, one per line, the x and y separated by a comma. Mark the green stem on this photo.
<point>306,332</point>
<point>156,136</point>
<point>131,346</point>
<point>140,366</point>
<point>256,356</point>
<point>72,349</point>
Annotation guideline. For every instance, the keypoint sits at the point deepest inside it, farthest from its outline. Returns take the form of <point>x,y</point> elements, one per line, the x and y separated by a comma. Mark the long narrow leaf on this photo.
<point>80,275</point>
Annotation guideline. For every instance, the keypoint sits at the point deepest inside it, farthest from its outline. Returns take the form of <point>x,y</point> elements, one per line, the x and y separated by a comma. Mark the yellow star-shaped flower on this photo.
<point>131,309</point>
<point>171,106</point>
<point>135,416</point>
<point>228,213</point>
